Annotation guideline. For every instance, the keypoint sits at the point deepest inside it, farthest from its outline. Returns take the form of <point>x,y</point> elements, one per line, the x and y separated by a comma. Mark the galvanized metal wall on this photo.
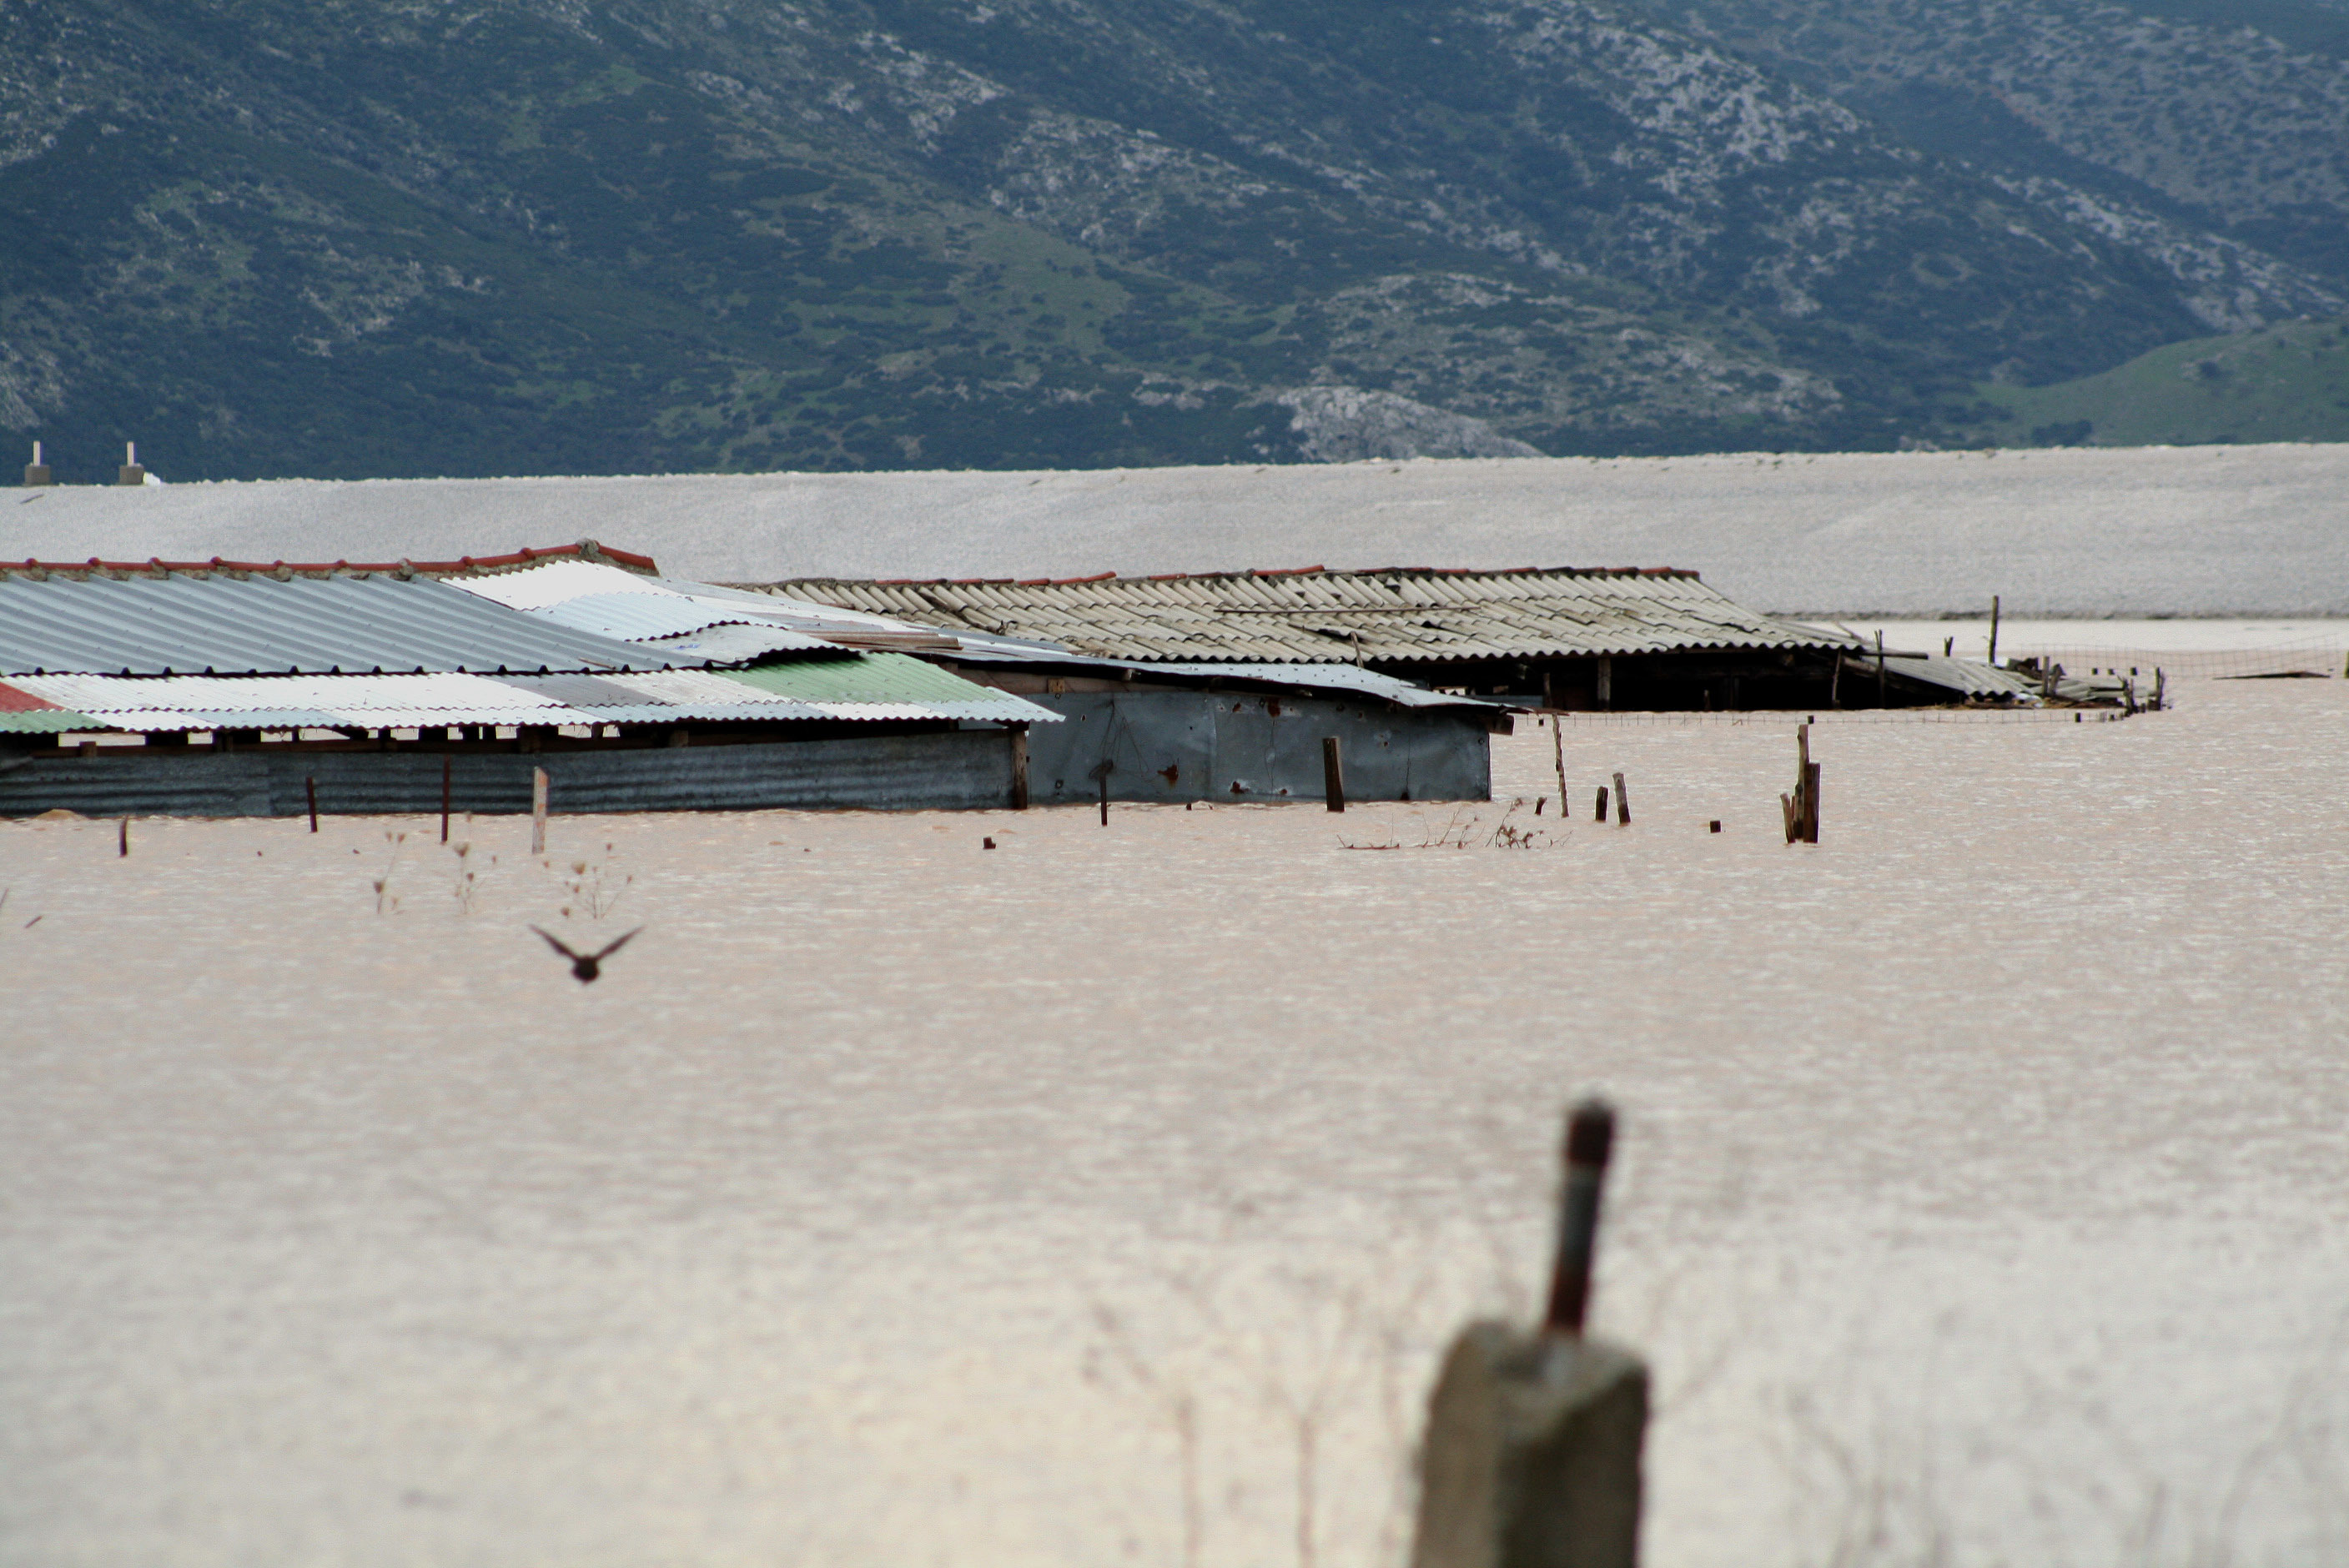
<point>946,771</point>
<point>1248,746</point>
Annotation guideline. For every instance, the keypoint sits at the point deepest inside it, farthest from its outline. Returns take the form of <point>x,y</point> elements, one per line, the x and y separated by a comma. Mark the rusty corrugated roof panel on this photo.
<point>1315,616</point>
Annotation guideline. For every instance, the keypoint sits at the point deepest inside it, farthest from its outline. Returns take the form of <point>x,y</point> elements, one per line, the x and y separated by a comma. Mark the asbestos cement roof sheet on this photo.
<point>1315,616</point>
<point>1964,678</point>
<point>163,622</point>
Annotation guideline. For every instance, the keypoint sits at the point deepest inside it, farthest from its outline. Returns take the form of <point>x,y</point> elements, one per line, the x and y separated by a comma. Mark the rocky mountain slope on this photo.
<point>513,236</point>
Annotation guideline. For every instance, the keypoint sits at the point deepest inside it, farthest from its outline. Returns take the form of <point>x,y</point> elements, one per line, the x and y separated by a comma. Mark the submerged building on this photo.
<point>1561,638</point>
<point>226,688</point>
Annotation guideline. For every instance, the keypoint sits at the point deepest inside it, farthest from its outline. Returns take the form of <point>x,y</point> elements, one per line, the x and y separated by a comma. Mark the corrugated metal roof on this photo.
<point>157,625</point>
<point>1323,678</point>
<point>44,720</point>
<point>853,687</point>
<point>1337,617</point>
<point>735,643</point>
<point>611,603</point>
<point>888,686</point>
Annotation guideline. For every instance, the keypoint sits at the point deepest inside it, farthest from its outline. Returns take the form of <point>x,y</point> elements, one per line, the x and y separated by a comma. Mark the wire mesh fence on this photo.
<point>1774,717</point>
<point>2323,658</point>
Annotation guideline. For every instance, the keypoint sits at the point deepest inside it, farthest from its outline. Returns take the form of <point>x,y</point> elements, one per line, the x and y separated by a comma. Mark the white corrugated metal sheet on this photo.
<point>611,603</point>
<point>173,702</point>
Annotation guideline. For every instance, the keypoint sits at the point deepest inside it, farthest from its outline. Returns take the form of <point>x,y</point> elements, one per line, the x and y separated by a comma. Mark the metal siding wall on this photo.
<point>1213,740</point>
<point>952,771</point>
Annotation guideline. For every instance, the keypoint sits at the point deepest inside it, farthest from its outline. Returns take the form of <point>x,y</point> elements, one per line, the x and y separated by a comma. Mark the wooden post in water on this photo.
<point>1802,808</point>
<point>1994,631</point>
<point>1532,1458</point>
<point>1100,773</point>
<point>446,763</point>
<point>1558,750</point>
<point>1018,767</point>
<point>538,810</point>
<point>1879,666</point>
<point>1333,774</point>
<point>1622,803</point>
<point>122,843</point>
<point>310,788</point>
<point>1602,802</point>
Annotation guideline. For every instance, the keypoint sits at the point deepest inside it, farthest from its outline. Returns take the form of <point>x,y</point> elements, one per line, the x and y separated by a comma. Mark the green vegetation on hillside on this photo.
<point>386,237</point>
<point>2287,383</point>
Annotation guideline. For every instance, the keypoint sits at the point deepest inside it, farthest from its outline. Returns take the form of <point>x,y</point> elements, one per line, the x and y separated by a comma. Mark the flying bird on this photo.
<point>585,966</point>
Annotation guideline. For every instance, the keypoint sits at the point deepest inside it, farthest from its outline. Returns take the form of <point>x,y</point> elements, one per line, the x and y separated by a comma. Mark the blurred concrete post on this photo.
<point>37,472</point>
<point>132,472</point>
<point>1532,1458</point>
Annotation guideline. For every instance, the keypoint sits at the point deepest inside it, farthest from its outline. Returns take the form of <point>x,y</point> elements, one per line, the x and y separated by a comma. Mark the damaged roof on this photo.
<point>1318,616</point>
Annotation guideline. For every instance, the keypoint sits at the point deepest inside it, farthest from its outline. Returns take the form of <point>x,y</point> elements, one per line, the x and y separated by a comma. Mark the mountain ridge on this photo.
<point>384,237</point>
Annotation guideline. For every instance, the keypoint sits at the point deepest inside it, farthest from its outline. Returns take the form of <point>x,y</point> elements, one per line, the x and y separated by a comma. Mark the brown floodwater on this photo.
<point>1104,1197</point>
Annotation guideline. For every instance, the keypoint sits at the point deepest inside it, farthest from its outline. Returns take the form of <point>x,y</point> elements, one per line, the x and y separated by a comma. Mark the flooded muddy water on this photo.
<point>1104,1197</point>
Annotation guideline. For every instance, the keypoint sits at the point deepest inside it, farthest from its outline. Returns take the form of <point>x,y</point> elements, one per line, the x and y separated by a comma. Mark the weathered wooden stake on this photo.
<point>538,810</point>
<point>1802,808</point>
<point>445,763</point>
<point>1533,1451</point>
<point>1333,774</point>
<point>1590,1140</point>
<point>1993,629</point>
<point>1879,668</point>
<point>1018,767</point>
<point>1602,802</point>
<point>1622,803</point>
<point>310,788</point>
<point>1557,749</point>
<point>122,843</point>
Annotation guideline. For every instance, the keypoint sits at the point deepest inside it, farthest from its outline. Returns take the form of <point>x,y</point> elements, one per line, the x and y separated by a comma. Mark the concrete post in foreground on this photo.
<point>36,472</point>
<point>1532,1449</point>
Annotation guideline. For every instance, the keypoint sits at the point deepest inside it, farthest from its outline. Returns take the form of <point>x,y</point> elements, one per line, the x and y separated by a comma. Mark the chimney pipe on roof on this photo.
<point>36,472</point>
<point>131,473</point>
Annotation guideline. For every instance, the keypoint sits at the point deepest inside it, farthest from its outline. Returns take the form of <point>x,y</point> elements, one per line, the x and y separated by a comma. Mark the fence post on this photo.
<point>1533,1451</point>
<point>538,810</point>
<point>1333,774</point>
<point>1018,767</point>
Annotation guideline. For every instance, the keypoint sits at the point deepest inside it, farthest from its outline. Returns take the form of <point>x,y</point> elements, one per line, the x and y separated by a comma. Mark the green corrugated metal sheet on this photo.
<point>47,721</point>
<point>869,678</point>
